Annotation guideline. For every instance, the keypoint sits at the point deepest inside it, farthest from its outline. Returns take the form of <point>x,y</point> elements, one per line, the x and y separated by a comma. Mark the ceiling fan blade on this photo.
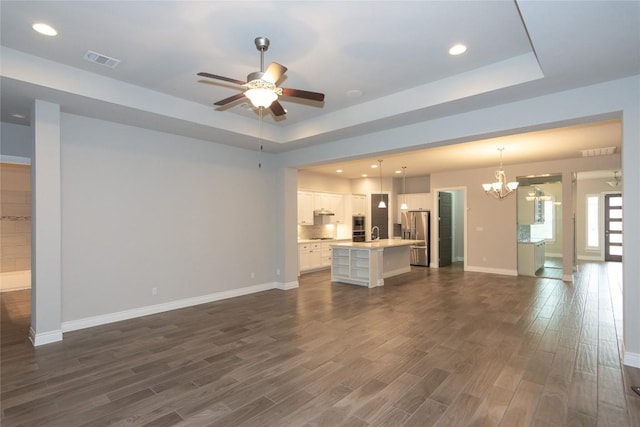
<point>277,109</point>
<point>274,72</point>
<point>226,79</point>
<point>314,96</point>
<point>230,99</point>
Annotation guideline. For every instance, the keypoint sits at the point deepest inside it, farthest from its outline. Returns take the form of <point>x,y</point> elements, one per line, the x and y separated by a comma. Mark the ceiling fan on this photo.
<point>261,86</point>
<point>616,180</point>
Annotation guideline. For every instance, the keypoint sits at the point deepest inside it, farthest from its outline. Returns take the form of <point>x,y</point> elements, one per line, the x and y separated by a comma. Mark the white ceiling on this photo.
<point>395,52</point>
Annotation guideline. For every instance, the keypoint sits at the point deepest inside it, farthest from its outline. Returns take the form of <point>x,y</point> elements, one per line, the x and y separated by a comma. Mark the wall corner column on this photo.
<point>46,236</point>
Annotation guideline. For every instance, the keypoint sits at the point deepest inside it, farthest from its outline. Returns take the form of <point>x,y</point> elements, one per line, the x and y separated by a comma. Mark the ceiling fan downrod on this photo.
<point>262,44</point>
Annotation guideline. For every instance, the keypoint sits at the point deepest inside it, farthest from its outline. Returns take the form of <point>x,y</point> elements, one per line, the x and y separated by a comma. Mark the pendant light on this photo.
<point>382,204</point>
<point>404,206</point>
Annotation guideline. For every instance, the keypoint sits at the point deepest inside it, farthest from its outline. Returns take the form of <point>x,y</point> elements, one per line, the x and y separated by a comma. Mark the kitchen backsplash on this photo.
<point>326,231</point>
<point>524,233</point>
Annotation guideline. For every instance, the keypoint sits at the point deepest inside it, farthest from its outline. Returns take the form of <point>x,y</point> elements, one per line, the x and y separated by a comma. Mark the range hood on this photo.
<point>322,216</point>
<point>322,212</point>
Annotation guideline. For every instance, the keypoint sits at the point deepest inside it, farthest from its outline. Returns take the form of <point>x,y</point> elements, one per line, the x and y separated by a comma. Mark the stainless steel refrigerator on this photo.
<point>416,225</point>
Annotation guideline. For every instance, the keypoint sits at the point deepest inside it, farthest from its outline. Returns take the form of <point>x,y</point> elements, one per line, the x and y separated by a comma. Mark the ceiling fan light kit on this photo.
<point>261,86</point>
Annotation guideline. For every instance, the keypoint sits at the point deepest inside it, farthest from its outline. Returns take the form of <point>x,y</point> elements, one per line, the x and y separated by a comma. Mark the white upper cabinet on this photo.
<point>305,208</point>
<point>359,205</point>
<point>336,205</point>
<point>415,202</point>
<point>308,201</point>
<point>529,211</point>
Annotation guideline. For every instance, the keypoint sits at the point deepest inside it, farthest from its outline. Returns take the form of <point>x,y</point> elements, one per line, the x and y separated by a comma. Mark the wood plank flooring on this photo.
<point>437,347</point>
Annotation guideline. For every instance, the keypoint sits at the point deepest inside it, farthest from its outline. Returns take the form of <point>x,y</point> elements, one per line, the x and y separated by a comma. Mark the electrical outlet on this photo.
<point>154,291</point>
<point>253,275</point>
<point>277,271</point>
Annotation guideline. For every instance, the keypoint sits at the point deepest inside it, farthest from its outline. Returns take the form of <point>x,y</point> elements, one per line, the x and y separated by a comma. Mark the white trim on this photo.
<point>552,255</point>
<point>286,286</point>
<point>501,271</point>
<point>74,325</point>
<point>631,359</point>
<point>45,337</point>
<point>16,160</point>
<point>590,258</point>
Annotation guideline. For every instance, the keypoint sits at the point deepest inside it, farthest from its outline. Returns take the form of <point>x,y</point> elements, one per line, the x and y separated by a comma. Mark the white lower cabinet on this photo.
<point>309,256</point>
<point>325,257</point>
<point>314,256</point>
<point>530,257</point>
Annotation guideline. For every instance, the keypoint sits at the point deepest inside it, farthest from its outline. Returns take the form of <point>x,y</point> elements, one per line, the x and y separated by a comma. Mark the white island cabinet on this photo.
<point>369,263</point>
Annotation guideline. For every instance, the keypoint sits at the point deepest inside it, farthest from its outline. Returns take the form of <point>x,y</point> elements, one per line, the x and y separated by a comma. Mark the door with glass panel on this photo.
<point>613,227</point>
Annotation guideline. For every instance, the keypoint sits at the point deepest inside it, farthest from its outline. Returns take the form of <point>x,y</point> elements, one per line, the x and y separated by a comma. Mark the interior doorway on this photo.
<point>450,223</point>
<point>445,228</point>
<point>15,229</point>
<point>15,238</point>
<point>540,226</point>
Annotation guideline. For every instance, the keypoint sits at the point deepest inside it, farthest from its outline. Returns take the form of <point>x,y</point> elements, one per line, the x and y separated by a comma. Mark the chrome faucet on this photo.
<point>377,230</point>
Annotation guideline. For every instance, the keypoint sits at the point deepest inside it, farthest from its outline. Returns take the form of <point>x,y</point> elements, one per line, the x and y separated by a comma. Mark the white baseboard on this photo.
<point>74,325</point>
<point>631,359</point>
<point>44,337</point>
<point>590,258</point>
<point>502,271</point>
<point>286,286</point>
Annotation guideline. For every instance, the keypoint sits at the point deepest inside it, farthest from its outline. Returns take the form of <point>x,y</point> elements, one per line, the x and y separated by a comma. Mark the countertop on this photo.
<point>382,243</point>
<point>532,242</point>
<point>323,240</point>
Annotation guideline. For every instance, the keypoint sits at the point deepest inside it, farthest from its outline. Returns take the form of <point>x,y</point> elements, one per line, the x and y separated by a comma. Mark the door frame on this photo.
<point>435,233</point>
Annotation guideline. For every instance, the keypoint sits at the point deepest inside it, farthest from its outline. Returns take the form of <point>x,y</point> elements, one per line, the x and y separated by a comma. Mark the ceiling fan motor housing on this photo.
<point>262,43</point>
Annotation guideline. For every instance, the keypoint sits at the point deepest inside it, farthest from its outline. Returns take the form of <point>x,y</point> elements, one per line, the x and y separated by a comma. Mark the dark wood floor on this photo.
<point>432,347</point>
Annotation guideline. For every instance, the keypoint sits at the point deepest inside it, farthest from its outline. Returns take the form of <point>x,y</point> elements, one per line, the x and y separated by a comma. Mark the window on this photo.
<point>593,229</point>
<point>546,230</point>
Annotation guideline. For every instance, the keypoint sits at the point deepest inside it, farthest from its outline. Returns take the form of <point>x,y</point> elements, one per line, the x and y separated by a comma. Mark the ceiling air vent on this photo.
<point>101,59</point>
<point>603,151</point>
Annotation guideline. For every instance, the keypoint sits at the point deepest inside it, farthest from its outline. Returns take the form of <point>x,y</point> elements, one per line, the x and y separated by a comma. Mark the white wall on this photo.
<point>323,183</point>
<point>15,140</point>
<point>144,209</point>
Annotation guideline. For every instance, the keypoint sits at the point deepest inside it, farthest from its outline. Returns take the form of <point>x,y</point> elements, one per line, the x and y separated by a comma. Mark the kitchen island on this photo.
<point>369,263</point>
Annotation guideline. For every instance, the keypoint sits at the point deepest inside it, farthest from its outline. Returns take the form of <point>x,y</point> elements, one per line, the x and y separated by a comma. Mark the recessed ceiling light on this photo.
<point>45,29</point>
<point>374,166</point>
<point>18,116</point>
<point>339,170</point>
<point>354,93</point>
<point>457,49</point>
<point>398,171</point>
<point>364,175</point>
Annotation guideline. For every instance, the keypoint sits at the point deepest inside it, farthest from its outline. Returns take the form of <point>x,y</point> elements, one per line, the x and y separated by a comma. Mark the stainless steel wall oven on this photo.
<point>358,231</point>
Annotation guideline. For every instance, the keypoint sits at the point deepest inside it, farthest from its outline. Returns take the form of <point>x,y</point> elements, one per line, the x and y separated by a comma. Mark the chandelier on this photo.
<point>500,188</point>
